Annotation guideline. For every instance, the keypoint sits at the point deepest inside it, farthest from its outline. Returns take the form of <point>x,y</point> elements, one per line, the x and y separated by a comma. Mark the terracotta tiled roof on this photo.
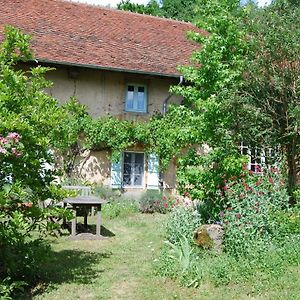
<point>80,34</point>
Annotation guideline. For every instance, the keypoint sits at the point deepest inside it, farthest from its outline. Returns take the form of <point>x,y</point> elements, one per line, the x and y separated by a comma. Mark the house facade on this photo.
<point>114,62</point>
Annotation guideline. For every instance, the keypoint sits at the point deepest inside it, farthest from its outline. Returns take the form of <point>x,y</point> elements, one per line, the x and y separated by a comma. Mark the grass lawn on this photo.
<point>120,267</point>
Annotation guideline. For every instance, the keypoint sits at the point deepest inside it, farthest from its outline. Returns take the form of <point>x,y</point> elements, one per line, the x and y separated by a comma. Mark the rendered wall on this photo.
<point>103,92</point>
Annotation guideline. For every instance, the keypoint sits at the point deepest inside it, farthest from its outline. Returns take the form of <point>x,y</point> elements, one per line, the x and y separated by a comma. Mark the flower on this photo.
<point>15,152</point>
<point>14,136</point>
<point>225,188</point>
<point>3,150</point>
<point>229,208</point>
<point>3,140</point>
<point>221,214</point>
<point>270,179</point>
<point>238,216</point>
<point>257,168</point>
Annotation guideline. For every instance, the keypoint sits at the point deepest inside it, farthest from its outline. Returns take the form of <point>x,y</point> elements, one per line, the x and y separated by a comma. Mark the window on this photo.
<point>136,98</point>
<point>258,158</point>
<point>129,171</point>
<point>133,169</point>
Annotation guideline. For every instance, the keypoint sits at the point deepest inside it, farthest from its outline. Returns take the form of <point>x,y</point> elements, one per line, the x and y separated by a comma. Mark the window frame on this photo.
<point>136,86</point>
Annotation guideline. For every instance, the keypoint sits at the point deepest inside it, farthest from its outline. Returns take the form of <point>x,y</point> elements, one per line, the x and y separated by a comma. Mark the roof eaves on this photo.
<point>91,66</point>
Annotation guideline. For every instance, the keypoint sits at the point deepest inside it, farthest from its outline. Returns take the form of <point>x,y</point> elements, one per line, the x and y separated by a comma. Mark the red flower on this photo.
<point>271,180</point>
<point>225,188</point>
<point>165,204</point>
<point>229,208</point>
<point>257,168</point>
<point>238,216</point>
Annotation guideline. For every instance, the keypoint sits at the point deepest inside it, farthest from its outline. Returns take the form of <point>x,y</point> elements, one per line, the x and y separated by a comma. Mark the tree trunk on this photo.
<point>291,155</point>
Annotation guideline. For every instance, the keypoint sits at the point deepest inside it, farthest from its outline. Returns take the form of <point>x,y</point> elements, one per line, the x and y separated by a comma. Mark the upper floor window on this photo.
<point>136,98</point>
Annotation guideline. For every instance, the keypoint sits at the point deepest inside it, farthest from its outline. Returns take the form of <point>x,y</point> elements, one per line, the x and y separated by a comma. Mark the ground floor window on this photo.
<point>259,158</point>
<point>133,169</point>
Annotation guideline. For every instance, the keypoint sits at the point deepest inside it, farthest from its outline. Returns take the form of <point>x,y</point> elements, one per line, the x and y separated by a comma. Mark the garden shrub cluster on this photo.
<point>118,205</point>
<point>29,124</point>
<point>152,201</point>
<point>262,233</point>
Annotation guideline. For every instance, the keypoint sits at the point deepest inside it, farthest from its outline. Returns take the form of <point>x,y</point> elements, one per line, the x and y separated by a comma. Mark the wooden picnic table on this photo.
<point>86,202</point>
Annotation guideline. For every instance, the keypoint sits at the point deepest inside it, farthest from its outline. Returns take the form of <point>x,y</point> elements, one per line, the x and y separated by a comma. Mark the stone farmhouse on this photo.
<point>115,62</point>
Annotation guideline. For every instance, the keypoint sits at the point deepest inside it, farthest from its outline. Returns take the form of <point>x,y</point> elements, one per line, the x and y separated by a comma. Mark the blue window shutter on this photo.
<point>116,174</point>
<point>153,172</point>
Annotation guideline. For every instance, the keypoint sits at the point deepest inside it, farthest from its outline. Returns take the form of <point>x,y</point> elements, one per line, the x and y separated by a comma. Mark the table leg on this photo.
<point>73,229</point>
<point>85,218</point>
<point>98,222</point>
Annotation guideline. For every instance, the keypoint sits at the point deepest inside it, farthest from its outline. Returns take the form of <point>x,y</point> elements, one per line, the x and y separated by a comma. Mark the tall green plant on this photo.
<point>29,126</point>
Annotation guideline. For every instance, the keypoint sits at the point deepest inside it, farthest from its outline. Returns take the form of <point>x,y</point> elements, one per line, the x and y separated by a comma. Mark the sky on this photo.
<point>113,3</point>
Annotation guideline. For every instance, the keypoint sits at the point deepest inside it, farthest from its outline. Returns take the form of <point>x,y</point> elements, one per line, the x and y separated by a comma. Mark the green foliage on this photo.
<point>272,84</point>
<point>152,201</point>
<point>251,202</point>
<point>69,143</point>
<point>109,132</point>
<point>8,287</point>
<point>151,8</point>
<point>165,136</point>
<point>182,222</point>
<point>183,10</point>
<point>261,266</point>
<point>29,126</point>
<point>203,176</point>
<point>118,206</point>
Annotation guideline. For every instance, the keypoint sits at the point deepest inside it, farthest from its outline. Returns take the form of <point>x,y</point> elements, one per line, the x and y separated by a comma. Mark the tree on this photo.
<point>30,122</point>
<point>183,10</point>
<point>273,80</point>
<point>152,8</point>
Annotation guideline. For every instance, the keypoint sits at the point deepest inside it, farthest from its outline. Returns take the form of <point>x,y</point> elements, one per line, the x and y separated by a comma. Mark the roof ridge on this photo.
<point>99,6</point>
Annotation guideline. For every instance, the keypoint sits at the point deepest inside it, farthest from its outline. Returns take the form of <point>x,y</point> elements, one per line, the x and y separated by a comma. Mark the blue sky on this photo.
<point>113,3</point>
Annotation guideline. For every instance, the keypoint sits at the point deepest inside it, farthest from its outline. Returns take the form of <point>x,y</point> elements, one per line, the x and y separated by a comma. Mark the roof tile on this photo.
<point>82,34</point>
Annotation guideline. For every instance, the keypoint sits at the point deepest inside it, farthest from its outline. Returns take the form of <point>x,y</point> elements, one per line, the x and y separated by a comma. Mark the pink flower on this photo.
<point>3,140</point>
<point>15,152</point>
<point>257,168</point>
<point>14,136</point>
<point>3,150</point>
<point>229,208</point>
<point>221,214</point>
<point>271,180</point>
<point>238,216</point>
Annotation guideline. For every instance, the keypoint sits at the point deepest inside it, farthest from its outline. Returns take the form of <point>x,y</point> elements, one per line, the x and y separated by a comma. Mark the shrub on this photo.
<point>182,222</point>
<point>118,205</point>
<point>153,201</point>
<point>9,287</point>
<point>251,201</point>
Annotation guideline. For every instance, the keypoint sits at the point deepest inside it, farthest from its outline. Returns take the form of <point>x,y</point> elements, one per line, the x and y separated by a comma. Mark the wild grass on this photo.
<point>122,267</point>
